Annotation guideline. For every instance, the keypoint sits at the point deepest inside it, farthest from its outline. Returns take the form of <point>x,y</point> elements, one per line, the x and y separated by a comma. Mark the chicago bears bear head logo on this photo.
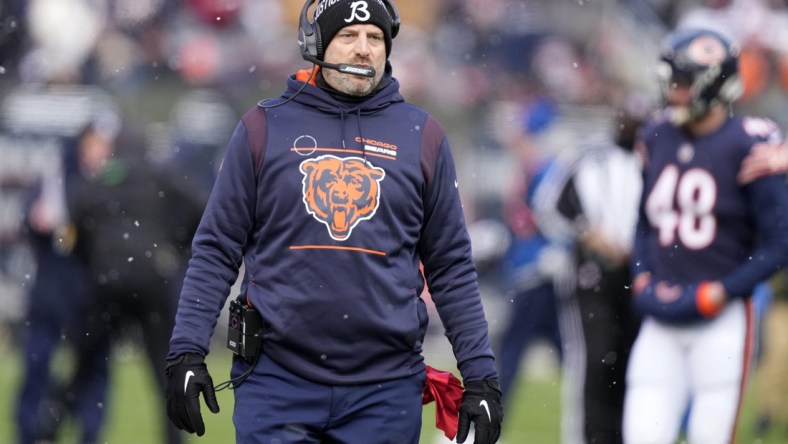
<point>341,192</point>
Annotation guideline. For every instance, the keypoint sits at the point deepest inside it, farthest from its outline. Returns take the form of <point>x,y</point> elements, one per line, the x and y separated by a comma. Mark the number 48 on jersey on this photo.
<point>680,206</point>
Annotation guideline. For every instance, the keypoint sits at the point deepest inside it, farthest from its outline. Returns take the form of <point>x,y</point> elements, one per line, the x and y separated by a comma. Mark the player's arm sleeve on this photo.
<point>445,250</point>
<point>217,249</point>
<point>768,200</point>
<point>640,262</point>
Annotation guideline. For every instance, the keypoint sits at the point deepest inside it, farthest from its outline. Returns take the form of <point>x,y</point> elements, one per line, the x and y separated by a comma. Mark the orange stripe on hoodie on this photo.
<point>302,75</point>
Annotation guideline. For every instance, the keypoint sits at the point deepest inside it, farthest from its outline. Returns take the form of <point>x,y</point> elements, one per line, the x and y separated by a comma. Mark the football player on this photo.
<point>704,239</point>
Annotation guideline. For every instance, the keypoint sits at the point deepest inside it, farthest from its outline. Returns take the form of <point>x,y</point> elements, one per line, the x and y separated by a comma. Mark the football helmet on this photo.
<point>706,61</point>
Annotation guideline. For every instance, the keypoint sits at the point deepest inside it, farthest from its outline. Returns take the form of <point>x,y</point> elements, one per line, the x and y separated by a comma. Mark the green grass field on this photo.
<point>532,418</point>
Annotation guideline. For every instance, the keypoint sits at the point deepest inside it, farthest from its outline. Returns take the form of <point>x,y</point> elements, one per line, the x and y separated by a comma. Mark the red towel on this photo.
<point>446,390</point>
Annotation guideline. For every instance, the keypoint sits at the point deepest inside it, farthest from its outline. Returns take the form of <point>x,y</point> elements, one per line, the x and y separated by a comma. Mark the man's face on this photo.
<point>356,45</point>
<point>679,93</point>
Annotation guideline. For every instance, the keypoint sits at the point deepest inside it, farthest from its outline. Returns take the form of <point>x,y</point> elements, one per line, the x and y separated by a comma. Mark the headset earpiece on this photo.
<point>394,14</point>
<point>309,34</point>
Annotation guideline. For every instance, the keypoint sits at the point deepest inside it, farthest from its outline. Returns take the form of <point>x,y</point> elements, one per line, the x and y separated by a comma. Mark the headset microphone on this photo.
<point>358,70</point>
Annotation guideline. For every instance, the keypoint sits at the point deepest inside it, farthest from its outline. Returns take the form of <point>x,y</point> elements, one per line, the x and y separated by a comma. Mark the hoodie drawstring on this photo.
<point>342,125</point>
<point>360,135</point>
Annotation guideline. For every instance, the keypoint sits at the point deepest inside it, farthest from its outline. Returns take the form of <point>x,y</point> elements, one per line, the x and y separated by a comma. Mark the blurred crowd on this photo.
<point>521,85</point>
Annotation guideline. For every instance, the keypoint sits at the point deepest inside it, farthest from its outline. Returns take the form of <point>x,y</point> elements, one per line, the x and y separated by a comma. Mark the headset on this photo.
<point>312,47</point>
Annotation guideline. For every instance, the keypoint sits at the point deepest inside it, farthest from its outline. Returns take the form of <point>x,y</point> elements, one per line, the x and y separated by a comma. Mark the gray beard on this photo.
<point>345,84</point>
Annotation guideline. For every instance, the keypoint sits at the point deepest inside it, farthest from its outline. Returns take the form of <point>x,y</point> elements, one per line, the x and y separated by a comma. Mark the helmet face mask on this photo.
<point>706,62</point>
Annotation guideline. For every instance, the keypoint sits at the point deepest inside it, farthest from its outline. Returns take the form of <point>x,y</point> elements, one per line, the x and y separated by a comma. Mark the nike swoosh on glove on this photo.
<point>677,304</point>
<point>187,377</point>
<point>481,405</point>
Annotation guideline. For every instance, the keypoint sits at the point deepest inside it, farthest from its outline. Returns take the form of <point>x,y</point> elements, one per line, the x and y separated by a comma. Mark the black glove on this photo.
<point>187,376</point>
<point>481,404</point>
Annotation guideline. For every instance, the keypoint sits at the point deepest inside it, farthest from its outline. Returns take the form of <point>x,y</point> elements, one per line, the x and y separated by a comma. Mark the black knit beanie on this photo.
<point>333,15</point>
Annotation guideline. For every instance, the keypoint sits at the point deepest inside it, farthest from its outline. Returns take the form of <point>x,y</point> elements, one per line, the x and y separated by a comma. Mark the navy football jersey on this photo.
<point>696,222</point>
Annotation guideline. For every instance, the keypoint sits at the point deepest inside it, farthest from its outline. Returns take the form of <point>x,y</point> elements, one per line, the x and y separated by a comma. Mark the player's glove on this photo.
<point>677,304</point>
<point>481,404</point>
<point>187,377</point>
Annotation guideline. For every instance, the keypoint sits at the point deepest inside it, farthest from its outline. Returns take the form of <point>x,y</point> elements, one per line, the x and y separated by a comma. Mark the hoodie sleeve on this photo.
<point>445,249</point>
<point>217,249</point>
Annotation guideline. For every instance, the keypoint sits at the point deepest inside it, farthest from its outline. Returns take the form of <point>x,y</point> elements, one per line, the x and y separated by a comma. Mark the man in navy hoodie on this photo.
<point>332,196</point>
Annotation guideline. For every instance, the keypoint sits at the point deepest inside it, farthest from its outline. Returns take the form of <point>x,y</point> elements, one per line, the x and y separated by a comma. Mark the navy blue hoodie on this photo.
<point>332,219</point>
